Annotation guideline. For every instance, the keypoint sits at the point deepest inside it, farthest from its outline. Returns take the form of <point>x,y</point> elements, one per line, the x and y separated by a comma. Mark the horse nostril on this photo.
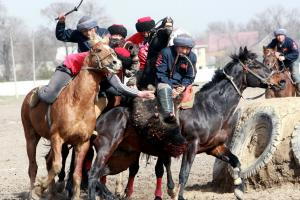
<point>114,62</point>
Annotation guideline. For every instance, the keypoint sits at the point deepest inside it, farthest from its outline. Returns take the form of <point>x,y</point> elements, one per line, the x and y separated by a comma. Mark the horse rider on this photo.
<point>118,34</point>
<point>287,53</point>
<point>175,72</point>
<point>143,27</point>
<point>70,68</point>
<point>86,28</point>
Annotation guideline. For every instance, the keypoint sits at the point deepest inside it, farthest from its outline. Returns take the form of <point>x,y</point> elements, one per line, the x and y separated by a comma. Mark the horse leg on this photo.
<point>56,146</point>
<point>223,153</point>
<point>62,174</point>
<point>80,152</point>
<point>159,172</point>
<point>170,182</point>
<point>186,164</point>
<point>32,140</point>
<point>119,184</point>
<point>133,170</point>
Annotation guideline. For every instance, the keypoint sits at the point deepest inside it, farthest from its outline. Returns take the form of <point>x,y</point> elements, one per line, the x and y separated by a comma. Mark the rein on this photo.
<point>247,69</point>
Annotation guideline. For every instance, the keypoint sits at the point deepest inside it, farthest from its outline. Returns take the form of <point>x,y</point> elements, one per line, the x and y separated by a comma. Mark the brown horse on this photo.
<point>72,117</point>
<point>281,81</point>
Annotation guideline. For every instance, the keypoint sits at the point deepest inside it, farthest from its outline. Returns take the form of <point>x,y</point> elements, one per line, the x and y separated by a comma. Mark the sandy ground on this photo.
<point>14,180</point>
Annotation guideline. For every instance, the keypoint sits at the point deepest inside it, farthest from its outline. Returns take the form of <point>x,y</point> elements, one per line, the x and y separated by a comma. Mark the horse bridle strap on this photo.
<point>99,60</point>
<point>230,78</point>
<point>246,68</point>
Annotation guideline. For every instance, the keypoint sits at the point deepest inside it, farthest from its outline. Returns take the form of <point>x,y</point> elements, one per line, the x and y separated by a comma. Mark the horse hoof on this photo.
<point>33,196</point>
<point>60,186</point>
<point>171,193</point>
<point>181,198</point>
<point>158,198</point>
<point>239,192</point>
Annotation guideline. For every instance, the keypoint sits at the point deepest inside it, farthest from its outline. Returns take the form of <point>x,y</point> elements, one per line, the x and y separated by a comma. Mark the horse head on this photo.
<point>248,69</point>
<point>102,58</point>
<point>270,59</point>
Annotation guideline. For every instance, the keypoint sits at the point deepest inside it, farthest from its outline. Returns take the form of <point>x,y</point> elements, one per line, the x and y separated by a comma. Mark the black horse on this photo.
<point>206,126</point>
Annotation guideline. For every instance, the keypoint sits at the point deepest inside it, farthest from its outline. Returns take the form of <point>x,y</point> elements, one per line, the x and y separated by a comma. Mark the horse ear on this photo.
<point>241,50</point>
<point>245,50</point>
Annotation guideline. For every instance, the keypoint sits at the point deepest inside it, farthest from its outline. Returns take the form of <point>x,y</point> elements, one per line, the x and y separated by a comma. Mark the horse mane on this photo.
<point>243,55</point>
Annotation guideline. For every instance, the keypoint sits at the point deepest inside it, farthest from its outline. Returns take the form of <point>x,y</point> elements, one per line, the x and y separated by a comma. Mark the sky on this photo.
<point>190,15</point>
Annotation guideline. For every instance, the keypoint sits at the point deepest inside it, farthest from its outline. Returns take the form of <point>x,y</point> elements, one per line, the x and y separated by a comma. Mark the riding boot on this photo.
<point>298,89</point>
<point>166,103</point>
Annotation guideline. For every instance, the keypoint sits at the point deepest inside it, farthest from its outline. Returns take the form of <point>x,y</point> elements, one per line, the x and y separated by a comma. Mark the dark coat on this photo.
<point>183,72</point>
<point>75,36</point>
<point>288,48</point>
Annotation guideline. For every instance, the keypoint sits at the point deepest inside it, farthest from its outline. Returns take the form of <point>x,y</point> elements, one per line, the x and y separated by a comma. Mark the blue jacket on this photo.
<point>183,73</point>
<point>75,36</point>
<point>288,48</point>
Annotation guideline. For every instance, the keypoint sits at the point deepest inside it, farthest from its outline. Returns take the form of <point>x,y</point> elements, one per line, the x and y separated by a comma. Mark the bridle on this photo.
<point>99,67</point>
<point>246,70</point>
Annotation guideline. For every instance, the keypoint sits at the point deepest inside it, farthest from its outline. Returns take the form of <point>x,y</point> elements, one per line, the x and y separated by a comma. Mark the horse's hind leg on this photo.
<point>159,172</point>
<point>32,140</point>
<point>223,153</point>
<point>170,182</point>
<point>133,170</point>
<point>80,152</point>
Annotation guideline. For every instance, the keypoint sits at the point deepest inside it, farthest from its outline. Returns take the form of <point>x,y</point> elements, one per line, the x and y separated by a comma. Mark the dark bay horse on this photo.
<point>72,117</point>
<point>281,81</point>
<point>206,126</point>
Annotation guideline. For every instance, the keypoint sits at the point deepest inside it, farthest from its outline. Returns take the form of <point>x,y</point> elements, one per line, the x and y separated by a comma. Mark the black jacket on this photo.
<point>75,36</point>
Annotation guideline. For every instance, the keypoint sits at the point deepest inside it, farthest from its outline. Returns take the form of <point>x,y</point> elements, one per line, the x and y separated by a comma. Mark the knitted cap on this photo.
<point>280,31</point>
<point>144,24</point>
<point>86,23</point>
<point>184,40</point>
<point>118,29</point>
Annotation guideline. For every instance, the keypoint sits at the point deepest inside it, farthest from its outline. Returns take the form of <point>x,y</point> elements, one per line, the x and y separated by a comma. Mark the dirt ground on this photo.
<point>14,180</point>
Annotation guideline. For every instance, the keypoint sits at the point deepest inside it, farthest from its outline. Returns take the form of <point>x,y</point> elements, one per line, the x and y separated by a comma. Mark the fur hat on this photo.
<point>144,24</point>
<point>85,23</point>
<point>184,40</point>
<point>117,29</point>
<point>124,55</point>
<point>280,31</point>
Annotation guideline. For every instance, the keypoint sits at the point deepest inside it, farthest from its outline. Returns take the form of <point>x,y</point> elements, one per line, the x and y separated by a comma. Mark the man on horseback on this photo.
<point>286,53</point>
<point>175,73</point>
<point>118,34</point>
<point>86,28</point>
<point>143,27</point>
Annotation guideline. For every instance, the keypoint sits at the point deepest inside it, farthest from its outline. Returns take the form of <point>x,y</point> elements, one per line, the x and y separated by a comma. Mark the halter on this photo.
<point>246,69</point>
<point>99,67</point>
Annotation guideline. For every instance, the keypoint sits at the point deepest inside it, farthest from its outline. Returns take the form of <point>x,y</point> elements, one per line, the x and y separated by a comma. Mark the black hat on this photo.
<point>144,24</point>
<point>118,29</point>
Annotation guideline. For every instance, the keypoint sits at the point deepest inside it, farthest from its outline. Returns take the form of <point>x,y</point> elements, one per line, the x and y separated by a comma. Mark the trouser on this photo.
<point>61,77</point>
<point>294,69</point>
<point>164,94</point>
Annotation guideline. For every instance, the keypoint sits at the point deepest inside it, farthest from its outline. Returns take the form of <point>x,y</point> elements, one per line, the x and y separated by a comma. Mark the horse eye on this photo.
<point>114,62</point>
